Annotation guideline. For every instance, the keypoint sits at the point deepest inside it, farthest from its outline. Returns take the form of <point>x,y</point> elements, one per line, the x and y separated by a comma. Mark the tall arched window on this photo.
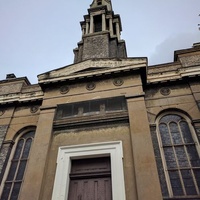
<point>179,150</point>
<point>15,175</point>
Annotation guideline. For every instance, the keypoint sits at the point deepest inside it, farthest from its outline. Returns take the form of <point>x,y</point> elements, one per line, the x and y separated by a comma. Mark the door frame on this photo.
<point>94,150</point>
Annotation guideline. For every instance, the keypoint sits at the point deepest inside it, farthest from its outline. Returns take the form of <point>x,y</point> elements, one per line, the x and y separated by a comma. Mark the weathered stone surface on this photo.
<point>96,46</point>
<point>25,93</point>
<point>113,48</point>
<point>93,67</point>
<point>122,49</point>
<point>10,88</point>
<point>4,156</point>
<point>190,60</point>
<point>3,130</point>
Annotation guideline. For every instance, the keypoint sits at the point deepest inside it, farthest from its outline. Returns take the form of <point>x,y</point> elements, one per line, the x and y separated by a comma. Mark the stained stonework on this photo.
<point>4,156</point>
<point>159,161</point>
<point>190,60</point>
<point>96,46</point>
<point>11,88</point>
<point>3,151</point>
<point>3,130</point>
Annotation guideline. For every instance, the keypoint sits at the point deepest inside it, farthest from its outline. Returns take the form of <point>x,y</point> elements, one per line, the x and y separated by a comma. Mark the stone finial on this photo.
<point>97,3</point>
<point>10,76</point>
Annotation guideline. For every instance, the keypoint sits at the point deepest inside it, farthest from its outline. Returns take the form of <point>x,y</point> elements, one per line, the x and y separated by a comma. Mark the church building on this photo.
<point>106,127</point>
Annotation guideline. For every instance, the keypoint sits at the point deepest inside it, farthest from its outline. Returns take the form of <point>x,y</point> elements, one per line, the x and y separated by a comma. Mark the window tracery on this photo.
<point>179,150</point>
<point>18,165</point>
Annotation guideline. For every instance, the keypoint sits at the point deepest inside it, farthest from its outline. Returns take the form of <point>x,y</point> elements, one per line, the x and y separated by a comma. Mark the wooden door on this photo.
<point>90,179</point>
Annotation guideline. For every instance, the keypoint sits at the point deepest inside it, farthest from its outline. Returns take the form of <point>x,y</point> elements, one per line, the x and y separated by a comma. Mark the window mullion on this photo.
<point>164,162</point>
<point>188,159</point>
<point>176,158</point>
<point>18,163</point>
<point>191,169</point>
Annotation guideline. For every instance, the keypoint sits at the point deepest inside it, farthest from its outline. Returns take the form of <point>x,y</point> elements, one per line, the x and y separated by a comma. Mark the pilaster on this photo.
<point>38,156</point>
<point>147,181</point>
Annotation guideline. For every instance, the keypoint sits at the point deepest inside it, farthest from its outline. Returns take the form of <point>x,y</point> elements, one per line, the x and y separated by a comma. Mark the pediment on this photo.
<point>90,68</point>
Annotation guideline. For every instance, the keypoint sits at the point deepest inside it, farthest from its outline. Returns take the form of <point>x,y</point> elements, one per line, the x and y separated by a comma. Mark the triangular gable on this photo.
<point>92,67</point>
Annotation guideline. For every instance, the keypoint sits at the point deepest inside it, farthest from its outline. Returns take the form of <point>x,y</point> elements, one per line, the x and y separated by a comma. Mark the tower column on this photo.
<point>91,24</point>
<point>110,26</point>
<point>103,22</point>
<point>117,30</point>
<point>83,31</point>
<point>87,27</point>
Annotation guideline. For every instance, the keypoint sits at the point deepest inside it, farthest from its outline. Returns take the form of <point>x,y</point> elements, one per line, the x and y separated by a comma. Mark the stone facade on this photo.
<point>2,134</point>
<point>104,98</point>
<point>4,157</point>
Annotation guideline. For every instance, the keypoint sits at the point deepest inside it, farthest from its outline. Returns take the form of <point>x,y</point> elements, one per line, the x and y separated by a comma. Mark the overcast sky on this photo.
<point>39,35</point>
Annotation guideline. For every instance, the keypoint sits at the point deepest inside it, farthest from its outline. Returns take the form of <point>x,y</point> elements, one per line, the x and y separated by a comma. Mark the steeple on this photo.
<point>101,31</point>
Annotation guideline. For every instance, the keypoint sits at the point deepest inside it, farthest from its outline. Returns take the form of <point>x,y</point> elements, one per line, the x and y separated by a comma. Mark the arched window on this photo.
<point>15,175</point>
<point>179,150</point>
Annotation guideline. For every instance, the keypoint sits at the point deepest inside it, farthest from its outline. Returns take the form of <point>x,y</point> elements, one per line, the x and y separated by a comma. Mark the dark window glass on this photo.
<point>197,176</point>
<point>67,110</point>
<point>12,170</point>
<point>193,155</point>
<point>85,106</point>
<point>97,23</point>
<point>181,156</point>
<point>27,148</point>
<point>95,106</point>
<point>114,104</point>
<point>114,29</point>
<point>164,134</point>
<point>22,167</point>
<point>6,191</point>
<point>175,133</point>
<point>188,182</point>
<point>170,157</point>
<point>176,183</point>
<point>91,107</point>
<point>77,109</point>
<point>15,191</point>
<point>17,168</point>
<point>185,130</point>
<point>18,149</point>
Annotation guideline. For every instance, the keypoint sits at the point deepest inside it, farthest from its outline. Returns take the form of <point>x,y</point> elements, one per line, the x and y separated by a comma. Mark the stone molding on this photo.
<point>66,153</point>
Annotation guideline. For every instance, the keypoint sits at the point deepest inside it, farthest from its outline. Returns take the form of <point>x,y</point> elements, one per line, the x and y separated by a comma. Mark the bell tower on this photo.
<point>101,30</point>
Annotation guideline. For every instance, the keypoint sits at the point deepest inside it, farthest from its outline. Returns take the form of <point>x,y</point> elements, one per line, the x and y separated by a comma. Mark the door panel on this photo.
<point>90,179</point>
<point>90,189</point>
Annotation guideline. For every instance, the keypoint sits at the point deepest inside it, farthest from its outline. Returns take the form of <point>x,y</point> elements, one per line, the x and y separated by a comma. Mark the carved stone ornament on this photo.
<point>2,112</point>
<point>118,82</point>
<point>34,109</point>
<point>90,86</point>
<point>64,89</point>
<point>165,91</point>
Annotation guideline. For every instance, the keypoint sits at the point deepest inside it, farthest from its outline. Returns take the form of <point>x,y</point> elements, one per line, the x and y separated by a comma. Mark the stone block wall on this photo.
<point>4,156</point>
<point>96,46</point>
<point>3,130</point>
